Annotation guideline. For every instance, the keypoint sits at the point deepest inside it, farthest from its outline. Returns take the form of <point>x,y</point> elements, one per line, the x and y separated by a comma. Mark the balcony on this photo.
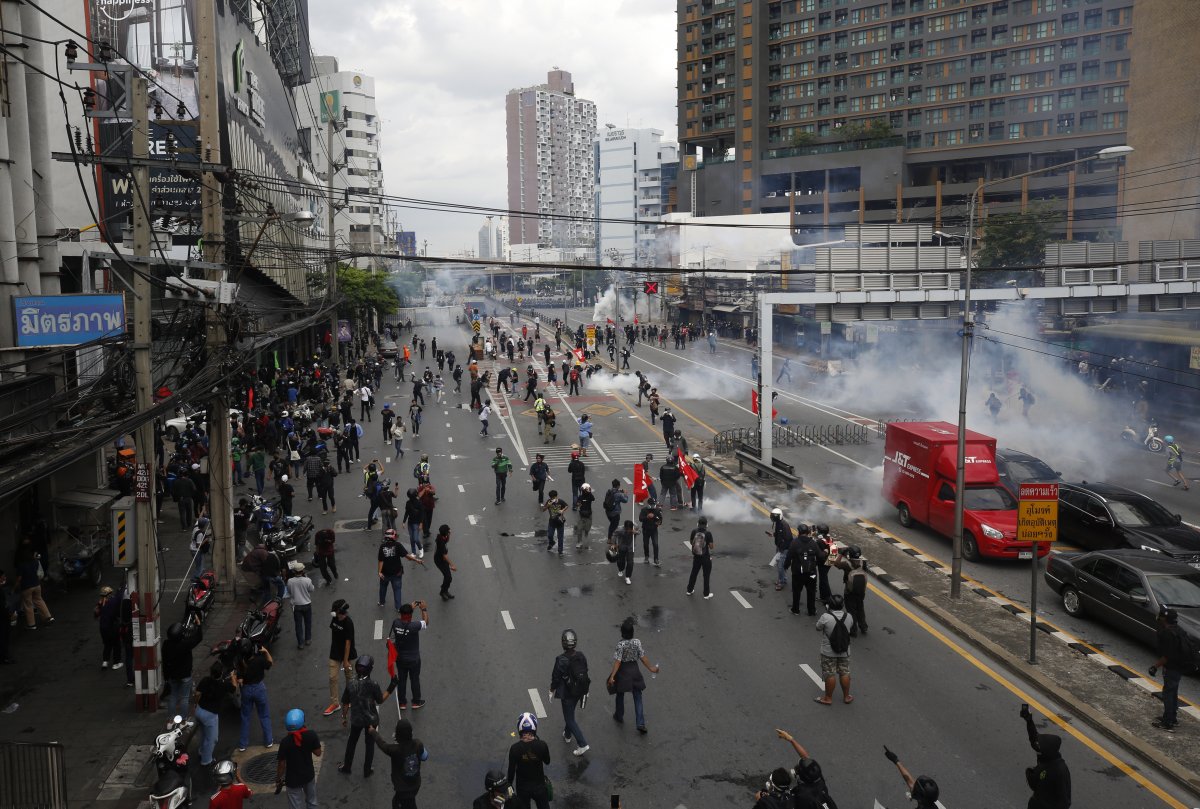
<point>832,148</point>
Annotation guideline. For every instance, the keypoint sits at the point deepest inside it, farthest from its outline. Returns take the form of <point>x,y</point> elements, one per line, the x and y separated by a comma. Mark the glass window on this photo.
<point>1180,592</point>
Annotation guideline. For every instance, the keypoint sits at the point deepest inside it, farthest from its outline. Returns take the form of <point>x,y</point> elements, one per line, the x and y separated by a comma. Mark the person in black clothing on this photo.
<point>184,492</point>
<point>578,472</point>
<point>497,793</point>
<point>776,794</point>
<point>651,518</point>
<point>668,426</point>
<point>803,557</point>
<point>1050,780</point>
<point>177,665</point>
<point>922,789</point>
<point>360,705</point>
<point>808,783</point>
<point>569,682</point>
<point>701,543</point>
<point>406,754</point>
<point>1171,661</point>
<point>287,493</point>
<point>404,640</point>
<point>441,560</point>
<point>669,474</point>
<point>325,486</point>
<point>527,760</point>
<point>538,472</point>
<point>294,763</point>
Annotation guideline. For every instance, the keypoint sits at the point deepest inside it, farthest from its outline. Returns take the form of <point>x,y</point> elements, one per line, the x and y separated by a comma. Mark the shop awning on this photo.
<point>85,498</point>
<point>726,309</point>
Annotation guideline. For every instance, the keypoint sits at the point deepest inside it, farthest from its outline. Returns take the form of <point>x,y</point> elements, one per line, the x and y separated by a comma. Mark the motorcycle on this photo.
<point>81,561</point>
<point>201,597</point>
<point>173,788</point>
<point>258,629</point>
<point>1151,441</point>
<point>290,539</point>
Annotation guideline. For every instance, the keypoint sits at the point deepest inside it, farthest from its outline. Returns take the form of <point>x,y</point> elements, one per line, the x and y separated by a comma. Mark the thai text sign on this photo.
<point>56,320</point>
<point>1037,512</point>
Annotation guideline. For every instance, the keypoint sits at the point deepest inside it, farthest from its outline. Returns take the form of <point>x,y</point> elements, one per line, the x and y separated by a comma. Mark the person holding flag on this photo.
<point>651,518</point>
<point>404,653</point>
<point>644,468</point>
<point>693,475</point>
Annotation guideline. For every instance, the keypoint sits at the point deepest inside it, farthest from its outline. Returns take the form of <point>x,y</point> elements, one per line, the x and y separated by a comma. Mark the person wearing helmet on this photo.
<point>804,556</point>
<point>497,793</point>
<point>1175,463</point>
<point>697,487</point>
<point>287,493</point>
<point>406,754</point>
<point>776,793</point>
<point>854,579</point>
<point>578,472</point>
<point>922,789</point>
<point>584,501</point>
<point>177,666</point>
<point>360,705</point>
<point>835,627</point>
<point>231,792</point>
<point>107,613</point>
<point>294,768</point>
<point>390,562</point>
<point>781,533</point>
<point>527,760</point>
<point>570,683</point>
<point>808,783</point>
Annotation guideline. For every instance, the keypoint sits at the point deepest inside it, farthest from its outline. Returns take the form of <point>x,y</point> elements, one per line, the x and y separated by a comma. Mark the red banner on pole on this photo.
<point>641,486</point>
<point>754,404</point>
<point>685,468</point>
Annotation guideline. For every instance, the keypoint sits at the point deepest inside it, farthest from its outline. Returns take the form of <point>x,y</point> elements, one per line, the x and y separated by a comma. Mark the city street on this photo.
<point>733,668</point>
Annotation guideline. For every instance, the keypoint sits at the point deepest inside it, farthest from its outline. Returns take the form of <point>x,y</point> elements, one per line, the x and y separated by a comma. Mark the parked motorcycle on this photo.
<point>173,788</point>
<point>201,597</point>
<point>81,561</point>
<point>1151,441</point>
<point>291,539</point>
<point>258,629</point>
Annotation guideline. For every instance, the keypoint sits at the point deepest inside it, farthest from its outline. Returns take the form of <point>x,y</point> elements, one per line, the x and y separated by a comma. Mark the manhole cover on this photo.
<point>260,769</point>
<point>354,525</point>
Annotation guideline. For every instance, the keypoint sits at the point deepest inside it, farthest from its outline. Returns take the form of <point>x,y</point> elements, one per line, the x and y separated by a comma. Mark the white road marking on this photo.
<point>508,623</point>
<point>450,438</point>
<point>812,675</point>
<point>628,481</point>
<point>447,424</point>
<point>461,489</point>
<point>387,460</point>
<point>741,599</point>
<point>471,519</point>
<point>487,563</point>
<point>1160,483</point>
<point>378,629</point>
<point>539,710</point>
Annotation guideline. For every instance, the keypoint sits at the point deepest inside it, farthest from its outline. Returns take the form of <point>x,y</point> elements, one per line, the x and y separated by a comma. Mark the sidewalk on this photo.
<point>1118,704</point>
<point>57,692</point>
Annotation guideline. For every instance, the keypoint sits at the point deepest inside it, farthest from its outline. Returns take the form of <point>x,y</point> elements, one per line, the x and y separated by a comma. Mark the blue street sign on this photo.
<point>57,320</point>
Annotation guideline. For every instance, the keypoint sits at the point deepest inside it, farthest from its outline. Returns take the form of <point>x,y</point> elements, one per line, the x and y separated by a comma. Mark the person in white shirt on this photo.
<point>300,589</point>
<point>365,398</point>
<point>485,413</point>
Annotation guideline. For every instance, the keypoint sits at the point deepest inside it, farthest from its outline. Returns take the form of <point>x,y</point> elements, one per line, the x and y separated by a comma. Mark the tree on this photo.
<point>800,139</point>
<point>1014,240</point>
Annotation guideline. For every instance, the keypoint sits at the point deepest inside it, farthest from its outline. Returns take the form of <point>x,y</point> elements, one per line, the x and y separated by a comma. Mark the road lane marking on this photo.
<point>812,675</point>
<point>378,629</point>
<point>461,489</point>
<point>508,622</point>
<point>450,438</point>
<point>1031,699</point>
<point>487,563</point>
<point>539,710</point>
<point>741,599</point>
<point>471,519</point>
<point>628,481</point>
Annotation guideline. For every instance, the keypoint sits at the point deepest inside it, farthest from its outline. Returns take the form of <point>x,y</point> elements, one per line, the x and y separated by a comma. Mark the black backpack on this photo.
<point>839,636</point>
<point>578,681</point>
<point>610,501</point>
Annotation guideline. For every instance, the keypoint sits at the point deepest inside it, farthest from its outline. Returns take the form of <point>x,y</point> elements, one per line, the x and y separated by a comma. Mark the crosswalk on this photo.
<point>620,454</point>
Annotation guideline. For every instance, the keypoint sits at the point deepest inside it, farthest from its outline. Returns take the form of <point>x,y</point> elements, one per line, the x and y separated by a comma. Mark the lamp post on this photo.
<point>1110,153</point>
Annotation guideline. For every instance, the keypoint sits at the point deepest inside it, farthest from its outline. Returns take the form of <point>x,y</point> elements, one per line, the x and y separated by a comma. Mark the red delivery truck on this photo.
<point>919,472</point>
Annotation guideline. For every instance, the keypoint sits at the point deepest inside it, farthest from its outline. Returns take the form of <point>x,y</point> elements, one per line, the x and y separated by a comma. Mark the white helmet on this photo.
<point>527,723</point>
<point>586,487</point>
<point>777,512</point>
<point>283,478</point>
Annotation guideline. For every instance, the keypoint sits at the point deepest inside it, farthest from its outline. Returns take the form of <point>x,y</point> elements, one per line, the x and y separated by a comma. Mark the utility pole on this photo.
<point>220,476</point>
<point>145,600</point>
<point>331,211</point>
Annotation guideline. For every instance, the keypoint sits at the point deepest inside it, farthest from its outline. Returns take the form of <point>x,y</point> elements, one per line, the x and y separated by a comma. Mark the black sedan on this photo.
<point>1016,467</point>
<point>1100,516</point>
<point>1127,589</point>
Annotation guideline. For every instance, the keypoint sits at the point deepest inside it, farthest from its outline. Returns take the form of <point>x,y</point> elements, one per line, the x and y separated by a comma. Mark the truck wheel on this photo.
<point>1072,603</point>
<point>970,547</point>
<point>904,515</point>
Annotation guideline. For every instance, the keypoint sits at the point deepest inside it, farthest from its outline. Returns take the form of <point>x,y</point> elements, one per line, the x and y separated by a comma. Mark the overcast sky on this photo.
<point>443,67</point>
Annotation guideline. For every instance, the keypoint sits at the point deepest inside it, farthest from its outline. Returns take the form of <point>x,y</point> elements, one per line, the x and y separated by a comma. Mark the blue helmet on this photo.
<point>294,719</point>
<point>1170,439</point>
<point>527,723</point>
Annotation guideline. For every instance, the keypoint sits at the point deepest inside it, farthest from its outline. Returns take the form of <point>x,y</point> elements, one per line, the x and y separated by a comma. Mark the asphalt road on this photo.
<point>716,394</point>
<point>733,668</point>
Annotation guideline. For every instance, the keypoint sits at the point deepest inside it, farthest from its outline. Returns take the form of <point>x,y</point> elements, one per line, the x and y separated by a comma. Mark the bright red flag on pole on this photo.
<point>641,486</point>
<point>689,474</point>
<point>578,352</point>
<point>610,321</point>
<point>754,404</point>
<point>391,658</point>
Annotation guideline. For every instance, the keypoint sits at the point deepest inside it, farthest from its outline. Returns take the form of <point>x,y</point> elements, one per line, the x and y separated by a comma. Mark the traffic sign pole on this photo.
<point>1037,521</point>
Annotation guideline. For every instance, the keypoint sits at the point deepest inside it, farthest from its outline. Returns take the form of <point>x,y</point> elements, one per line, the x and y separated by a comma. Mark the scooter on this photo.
<point>1151,442</point>
<point>81,562</point>
<point>174,785</point>
<point>200,598</point>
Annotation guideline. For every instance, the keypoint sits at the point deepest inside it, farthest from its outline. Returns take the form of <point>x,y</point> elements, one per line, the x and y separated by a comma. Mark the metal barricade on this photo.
<point>33,775</point>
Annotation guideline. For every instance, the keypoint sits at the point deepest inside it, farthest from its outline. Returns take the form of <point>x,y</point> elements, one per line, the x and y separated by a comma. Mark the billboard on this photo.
<point>58,320</point>
<point>406,242</point>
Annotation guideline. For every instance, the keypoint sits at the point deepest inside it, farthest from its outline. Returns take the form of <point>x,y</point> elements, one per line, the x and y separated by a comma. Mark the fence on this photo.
<point>788,435</point>
<point>32,775</point>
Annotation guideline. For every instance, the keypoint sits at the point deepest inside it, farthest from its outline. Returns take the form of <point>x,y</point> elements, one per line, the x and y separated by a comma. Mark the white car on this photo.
<point>188,414</point>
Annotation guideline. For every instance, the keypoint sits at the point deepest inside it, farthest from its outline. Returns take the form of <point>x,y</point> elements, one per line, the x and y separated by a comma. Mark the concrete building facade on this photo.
<point>362,223</point>
<point>630,189</point>
<point>873,111</point>
<point>551,166</point>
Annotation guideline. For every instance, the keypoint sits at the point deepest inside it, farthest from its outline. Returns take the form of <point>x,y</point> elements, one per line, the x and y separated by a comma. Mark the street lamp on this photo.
<point>1109,153</point>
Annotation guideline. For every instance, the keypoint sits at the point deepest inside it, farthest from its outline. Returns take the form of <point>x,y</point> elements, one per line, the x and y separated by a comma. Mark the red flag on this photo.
<point>635,320</point>
<point>578,352</point>
<point>391,658</point>
<point>610,321</point>
<point>689,474</point>
<point>641,486</point>
<point>754,404</point>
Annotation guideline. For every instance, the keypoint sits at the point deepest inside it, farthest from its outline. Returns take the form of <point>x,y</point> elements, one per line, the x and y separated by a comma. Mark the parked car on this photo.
<point>1127,588</point>
<point>187,414</point>
<point>1015,467</point>
<point>1101,516</point>
<point>388,348</point>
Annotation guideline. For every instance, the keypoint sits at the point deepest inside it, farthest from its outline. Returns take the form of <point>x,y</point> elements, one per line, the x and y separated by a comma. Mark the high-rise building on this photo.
<point>356,146</point>
<point>852,111</point>
<point>551,168</point>
<point>630,191</point>
<point>487,240</point>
